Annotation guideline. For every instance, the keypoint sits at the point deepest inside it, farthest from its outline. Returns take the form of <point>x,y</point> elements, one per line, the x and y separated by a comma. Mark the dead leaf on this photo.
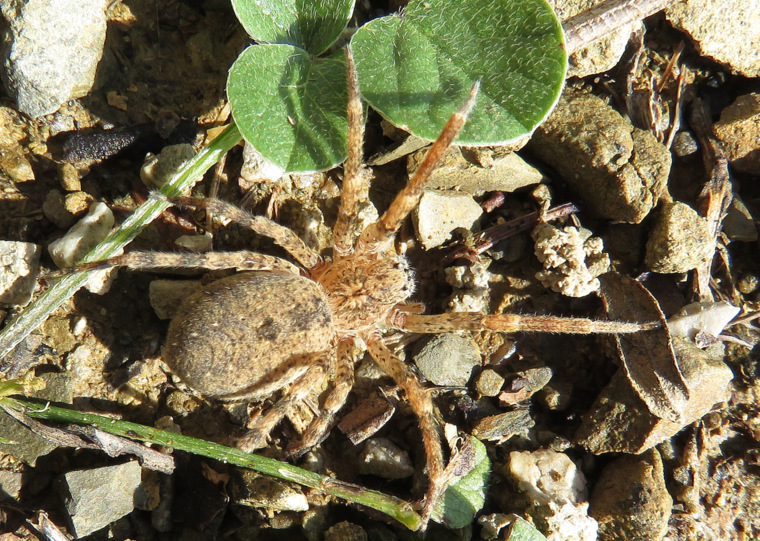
<point>648,358</point>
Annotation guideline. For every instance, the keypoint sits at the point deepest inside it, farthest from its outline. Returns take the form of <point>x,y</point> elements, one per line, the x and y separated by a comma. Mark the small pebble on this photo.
<point>501,427</point>
<point>258,490</point>
<point>748,283</point>
<point>68,177</point>
<point>448,359</point>
<point>679,240</point>
<point>631,501</point>
<point>489,383</point>
<point>480,170</point>
<point>94,498</point>
<point>685,144</point>
<point>80,239</point>
<point>440,212</point>
<point>158,169</point>
<point>54,209</point>
<point>383,458</point>
<point>19,265</point>
<point>77,203</point>
<point>196,243</point>
<point>617,171</point>
<point>702,317</point>
<point>346,531</point>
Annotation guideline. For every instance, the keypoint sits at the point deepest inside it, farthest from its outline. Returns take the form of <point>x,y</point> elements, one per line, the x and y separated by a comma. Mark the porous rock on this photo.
<point>739,131</point>
<point>94,498</point>
<point>679,240</point>
<point>571,262</point>
<point>630,501</point>
<point>617,170</point>
<point>558,490</point>
<point>51,50</point>
<point>19,263</point>
<point>725,30</point>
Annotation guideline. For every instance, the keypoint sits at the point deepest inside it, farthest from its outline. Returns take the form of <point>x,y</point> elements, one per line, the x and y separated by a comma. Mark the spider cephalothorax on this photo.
<point>285,327</point>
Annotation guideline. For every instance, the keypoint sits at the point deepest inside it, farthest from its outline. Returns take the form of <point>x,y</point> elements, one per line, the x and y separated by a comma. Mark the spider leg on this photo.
<point>375,237</point>
<point>476,321</point>
<point>343,381</point>
<point>242,261</point>
<point>355,179</point>
<point>281,235</point>
<point>423,406</point>
<point>260,427</point>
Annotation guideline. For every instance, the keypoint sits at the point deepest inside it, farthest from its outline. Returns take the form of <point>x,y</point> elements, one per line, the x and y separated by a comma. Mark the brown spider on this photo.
<point>282,327</point>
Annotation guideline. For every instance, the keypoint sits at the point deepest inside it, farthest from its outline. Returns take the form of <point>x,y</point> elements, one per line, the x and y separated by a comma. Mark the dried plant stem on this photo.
<point>605,18</point>
<point>395,508</point>
<point>36,313</point>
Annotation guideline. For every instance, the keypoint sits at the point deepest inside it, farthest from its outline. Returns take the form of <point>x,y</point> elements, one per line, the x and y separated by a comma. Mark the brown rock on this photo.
<point>619,171</point>
<point>619,421</point>
<point>680,240</point>
<point>631,502</point>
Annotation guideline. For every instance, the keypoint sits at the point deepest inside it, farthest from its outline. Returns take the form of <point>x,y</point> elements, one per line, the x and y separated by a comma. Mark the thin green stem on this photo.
<point>36,313</point>
<point>395,508</point>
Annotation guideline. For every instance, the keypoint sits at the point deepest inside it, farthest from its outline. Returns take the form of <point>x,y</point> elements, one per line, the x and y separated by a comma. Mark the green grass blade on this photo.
<point>395,508</point>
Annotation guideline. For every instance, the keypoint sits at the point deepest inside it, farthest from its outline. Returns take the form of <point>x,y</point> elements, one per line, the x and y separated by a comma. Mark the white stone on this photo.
<point>80,239</point>
<point>439,213</point>
<point>702,317</point>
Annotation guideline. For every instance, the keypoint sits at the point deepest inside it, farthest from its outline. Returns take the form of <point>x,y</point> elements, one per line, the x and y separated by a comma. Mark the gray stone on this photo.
<point>739,131</point>
<point>439,213</point>
<point>10,485</point>
<point>95,498</point>
<point>385,459</point>
<point>50,51</point>
<point>679,240</point>
<point>725,30</point>
<point>617,170</point>
<point>19,264</point>
<point>24,444</point>
<point>479,170</point>
<point>448,359</point>
<point>631,502</point>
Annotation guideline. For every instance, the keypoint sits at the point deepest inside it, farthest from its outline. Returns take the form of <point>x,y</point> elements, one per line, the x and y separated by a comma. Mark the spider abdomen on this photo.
<point>248,335</point>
